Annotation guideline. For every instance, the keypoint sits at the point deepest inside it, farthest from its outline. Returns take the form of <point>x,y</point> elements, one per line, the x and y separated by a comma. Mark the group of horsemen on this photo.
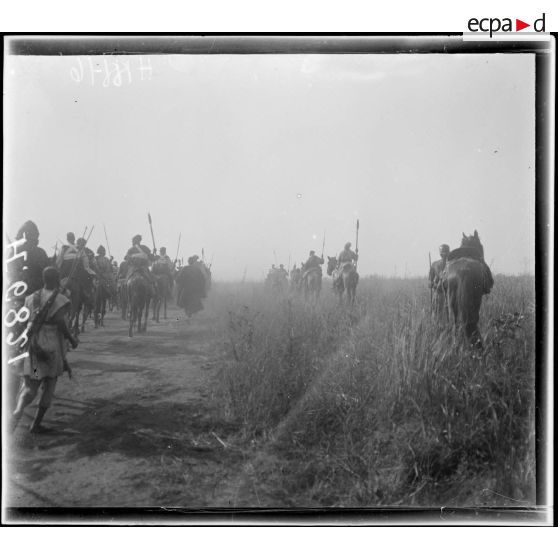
<point>48,306</point>
<point>39,326</point>
<point>298,275</point>
<point>76,257</point>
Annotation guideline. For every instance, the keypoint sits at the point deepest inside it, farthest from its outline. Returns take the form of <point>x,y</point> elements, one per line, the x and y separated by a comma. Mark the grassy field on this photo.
<point>377,406</point>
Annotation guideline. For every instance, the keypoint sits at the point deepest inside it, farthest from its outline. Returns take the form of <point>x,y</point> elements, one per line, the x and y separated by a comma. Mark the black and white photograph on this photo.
<point>273,274</point>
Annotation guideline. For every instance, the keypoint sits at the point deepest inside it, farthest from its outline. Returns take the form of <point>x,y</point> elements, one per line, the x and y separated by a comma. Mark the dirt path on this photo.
<point>137,426</point>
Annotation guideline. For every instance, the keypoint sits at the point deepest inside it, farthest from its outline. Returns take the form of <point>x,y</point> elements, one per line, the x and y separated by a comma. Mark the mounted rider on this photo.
<point>104,265</point>
<point>296,276</point>
<point>163,266</point>
<point>68,256</point>
<point>165,260</point>
<point>346,258</point>
<point>313,263</point>
<point>282,273</point>
<point>86,256</point>
<point>138,258</point>
<point>105,268</point>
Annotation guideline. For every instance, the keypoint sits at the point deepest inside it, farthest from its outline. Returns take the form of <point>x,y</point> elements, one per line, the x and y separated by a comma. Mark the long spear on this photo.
<point>152,235</point>
<point>356,248</point>
<point>178,248</point>
<point>323,247</point>
<point>106,238</point>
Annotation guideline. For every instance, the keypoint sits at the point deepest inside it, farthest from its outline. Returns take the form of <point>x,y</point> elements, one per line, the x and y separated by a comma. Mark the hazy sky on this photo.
<point>248,155</point>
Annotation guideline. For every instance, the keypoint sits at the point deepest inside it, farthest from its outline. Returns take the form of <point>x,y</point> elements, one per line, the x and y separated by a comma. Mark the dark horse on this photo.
<point>296,280</point>
<point>467,279</point>
<point>122,290</point>
<point>164,287</point>
<point>81,291</point>
<point>312,283</point>
<point>139,297</point>
<point>104,293</point>
<point>344,280</point>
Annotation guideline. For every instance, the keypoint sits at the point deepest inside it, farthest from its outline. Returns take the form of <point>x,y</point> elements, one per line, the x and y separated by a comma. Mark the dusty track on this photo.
<point>136,426</point>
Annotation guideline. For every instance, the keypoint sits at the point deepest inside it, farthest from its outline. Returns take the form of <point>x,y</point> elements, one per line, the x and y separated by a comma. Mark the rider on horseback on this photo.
<point>346,257</point>
<point>138,258</point>
<point>68,255</point>
<point>86,256</point>
<point>164,259</point>
<point>312,263</point>
<point>163,266</point>
<point>105,268</point>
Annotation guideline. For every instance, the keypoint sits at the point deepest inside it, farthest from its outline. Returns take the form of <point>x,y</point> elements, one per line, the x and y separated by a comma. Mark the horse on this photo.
<point>139,298</point>
<point>103,294</point>
<point>277,281</point>
<point>344,280</point>
<point>81,292</point>
<point>466,279</point>
<point>296,280</point>
<point>122,290</point>
<point>312,283</point>
<point>164,287</point>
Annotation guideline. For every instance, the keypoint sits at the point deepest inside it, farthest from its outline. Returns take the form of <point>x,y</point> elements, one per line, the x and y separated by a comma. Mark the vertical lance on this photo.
<point>323,246</point>
<point>152,235</point>
<point>106,238</point>
<point>178,248</point>
<point>356,246</point>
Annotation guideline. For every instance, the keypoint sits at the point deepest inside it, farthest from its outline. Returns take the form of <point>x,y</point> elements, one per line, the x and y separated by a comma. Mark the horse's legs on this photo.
<point>103,310</point>
<point>131,320</point>
<point>147,313</point>
<point>165,306</point>
<point>96,310</point>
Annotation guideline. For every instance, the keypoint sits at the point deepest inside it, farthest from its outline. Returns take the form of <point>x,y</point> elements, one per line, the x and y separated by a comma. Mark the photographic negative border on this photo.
<point>353,43</point>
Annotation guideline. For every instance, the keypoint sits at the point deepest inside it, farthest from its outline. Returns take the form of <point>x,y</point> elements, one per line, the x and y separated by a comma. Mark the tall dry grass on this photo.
<point>378,405</point>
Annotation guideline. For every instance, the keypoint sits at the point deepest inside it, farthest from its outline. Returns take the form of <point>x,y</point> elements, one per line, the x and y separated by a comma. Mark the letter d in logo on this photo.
<point>538,22</point>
